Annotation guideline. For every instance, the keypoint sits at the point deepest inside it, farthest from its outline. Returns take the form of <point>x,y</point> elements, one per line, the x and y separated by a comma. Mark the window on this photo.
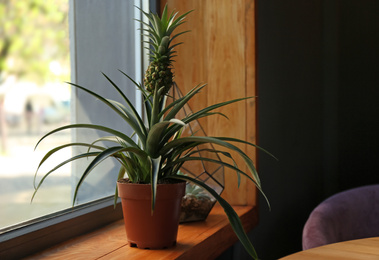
<point>103,38</point>
<point>105,41</point>
<point>34,60</point>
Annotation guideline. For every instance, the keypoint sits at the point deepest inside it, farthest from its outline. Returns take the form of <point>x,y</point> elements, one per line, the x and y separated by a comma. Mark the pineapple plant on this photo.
<point>159,75</point>
<point>160,150</point>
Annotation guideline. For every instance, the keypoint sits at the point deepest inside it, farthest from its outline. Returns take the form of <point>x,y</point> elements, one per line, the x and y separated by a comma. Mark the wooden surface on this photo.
<point>367,248</point>
<point>206,239</point>
<point>220,50</point>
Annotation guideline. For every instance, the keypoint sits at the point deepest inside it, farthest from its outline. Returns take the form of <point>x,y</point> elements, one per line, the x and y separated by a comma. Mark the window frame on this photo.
<point>38,234</point>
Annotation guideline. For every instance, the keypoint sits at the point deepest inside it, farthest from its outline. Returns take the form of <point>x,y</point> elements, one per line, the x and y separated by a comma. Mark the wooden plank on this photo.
<point>251,91</point>
<point>89,246</point>
<point>37,240</point>
<point>206,239</point>
<point>220,51</point>
<point>189,65</point>
<point>226,62</point>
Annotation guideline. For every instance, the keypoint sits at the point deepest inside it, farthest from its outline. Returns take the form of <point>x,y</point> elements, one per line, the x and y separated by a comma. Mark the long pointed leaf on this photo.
<point>207,139</point>
<point>174,103</point>
<point>186,159</point>
<point>134,111</point>
<point>112,139</point>
<point>155,109</point>
<point>178,34</point>
<point>91,126</point>
<point>178,21</point>
<point>155,135</point>
<point>121,174</point>
<point>84,155</point>
<point>234,220</point>
<point>156,163</point>
<point>229,139</point>
<point>164,17</point>
<point>134,82</point>
<point>183,102</point>
<point>226,154</point>
<point>199,113</point>
<point>139,129</point>
<point>58,148</point>
<point>107,102</point>
<point>98,159</point>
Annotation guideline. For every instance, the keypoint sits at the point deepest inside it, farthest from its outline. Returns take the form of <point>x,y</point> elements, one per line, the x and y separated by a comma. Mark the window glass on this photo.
<point>34,61</point>
<point>106,40</point>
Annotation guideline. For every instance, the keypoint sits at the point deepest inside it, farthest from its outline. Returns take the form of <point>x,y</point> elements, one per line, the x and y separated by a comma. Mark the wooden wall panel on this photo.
<point>251,91</point>
<point>220,51</point>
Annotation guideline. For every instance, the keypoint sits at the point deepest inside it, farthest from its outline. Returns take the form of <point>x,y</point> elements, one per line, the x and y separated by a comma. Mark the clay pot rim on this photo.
<point>149,184</point>
<point>164,191</point>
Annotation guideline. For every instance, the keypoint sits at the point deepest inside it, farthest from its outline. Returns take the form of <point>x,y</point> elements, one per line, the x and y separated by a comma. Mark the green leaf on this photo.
<point>154,136</point>
<point>155,109</point>
<point>134,113</point>
<point>234,220</point>
<point>112,139</point>
<point>139,129</point>
<point>226,154</point>
<point>134,82</point>
<point>98,159</point>
<point>158,25</point>
<point>229,139</point>
<point>84,155</point>
<point>120,175</point>
<point>178,21</point>
<point>178,34</point>
<point>174,46</point>
<point>58,148</point>
<point>91,126</point>
<point>183,101</point>
<point>206,139</point>
<point>206,159</point>
<point>129,166</point>
<point>200,113</point>
<point>156,163</point>
<point>130,122</point>
<point>164,17</point>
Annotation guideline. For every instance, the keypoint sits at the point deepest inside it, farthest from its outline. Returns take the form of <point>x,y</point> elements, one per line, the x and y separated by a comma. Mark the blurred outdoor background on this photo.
<point>34,63</point>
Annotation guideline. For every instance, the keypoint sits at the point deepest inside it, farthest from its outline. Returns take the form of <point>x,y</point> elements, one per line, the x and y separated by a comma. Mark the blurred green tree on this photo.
<point>34,44</point>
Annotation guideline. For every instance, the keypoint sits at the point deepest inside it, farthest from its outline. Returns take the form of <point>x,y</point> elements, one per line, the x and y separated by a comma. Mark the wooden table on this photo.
<point>367,248</point>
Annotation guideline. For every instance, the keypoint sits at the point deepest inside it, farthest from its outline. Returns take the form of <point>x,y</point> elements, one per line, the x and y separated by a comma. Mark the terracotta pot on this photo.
<point>144,230</point>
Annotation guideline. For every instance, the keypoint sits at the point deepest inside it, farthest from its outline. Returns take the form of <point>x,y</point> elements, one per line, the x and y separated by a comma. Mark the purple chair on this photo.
<point>347,215</point>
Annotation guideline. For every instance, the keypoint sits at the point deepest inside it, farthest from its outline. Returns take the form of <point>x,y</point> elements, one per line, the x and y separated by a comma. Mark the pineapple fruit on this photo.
<point>159,75</point>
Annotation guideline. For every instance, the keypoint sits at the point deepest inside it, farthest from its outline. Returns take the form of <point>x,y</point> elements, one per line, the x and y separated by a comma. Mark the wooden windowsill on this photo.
<point>207,239</point>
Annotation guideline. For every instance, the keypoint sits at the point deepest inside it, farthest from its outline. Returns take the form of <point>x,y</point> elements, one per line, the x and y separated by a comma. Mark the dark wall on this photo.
<point>318,86</point>
<point>358,108</point>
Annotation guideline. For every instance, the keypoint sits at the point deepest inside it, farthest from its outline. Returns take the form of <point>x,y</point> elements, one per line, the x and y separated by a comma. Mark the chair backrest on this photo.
<point>348,215</point>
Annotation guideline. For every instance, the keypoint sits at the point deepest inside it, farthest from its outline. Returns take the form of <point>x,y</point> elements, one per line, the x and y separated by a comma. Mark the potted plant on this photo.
<point>153,162</point>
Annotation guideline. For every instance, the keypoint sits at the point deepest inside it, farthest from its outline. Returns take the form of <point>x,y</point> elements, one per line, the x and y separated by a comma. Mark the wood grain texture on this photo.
<point>367,248</point>
<point>251,91</point>
<point>220,51</point>
<point>206,239</point>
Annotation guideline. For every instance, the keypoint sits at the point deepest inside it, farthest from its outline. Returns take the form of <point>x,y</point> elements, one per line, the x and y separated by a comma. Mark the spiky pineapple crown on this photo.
<point>159,76</point>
